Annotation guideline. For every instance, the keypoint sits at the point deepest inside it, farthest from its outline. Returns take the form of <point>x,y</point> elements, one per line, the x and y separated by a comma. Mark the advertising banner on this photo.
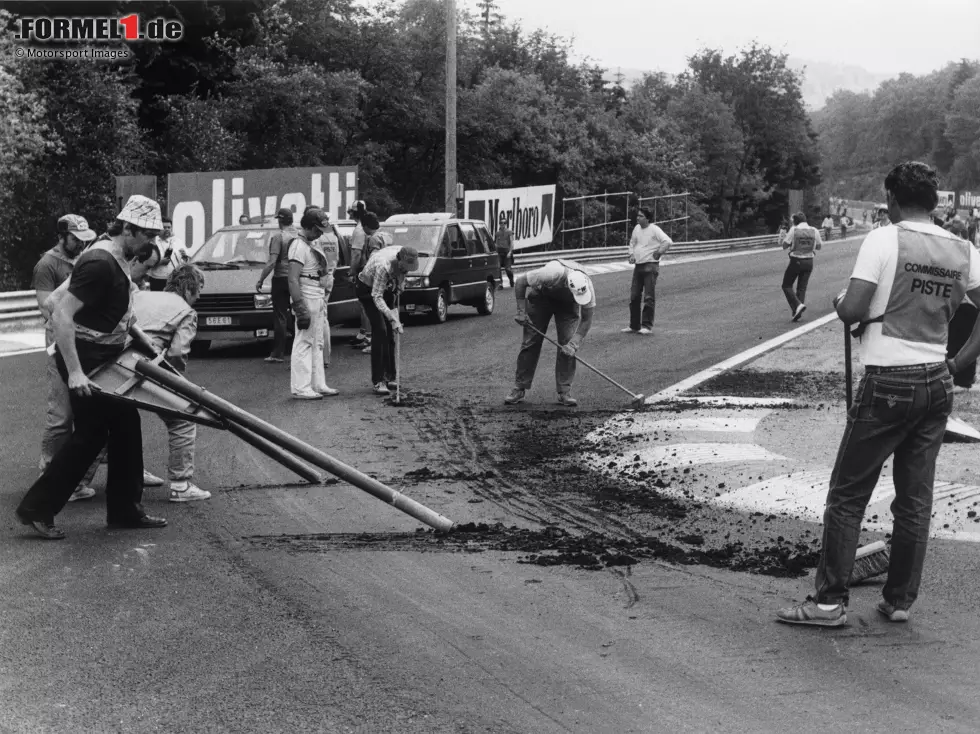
<point>202,203</point>
<point>529,212</point>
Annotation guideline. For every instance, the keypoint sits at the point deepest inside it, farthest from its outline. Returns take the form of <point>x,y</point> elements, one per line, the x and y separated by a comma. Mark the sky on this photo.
<point>882,36</point>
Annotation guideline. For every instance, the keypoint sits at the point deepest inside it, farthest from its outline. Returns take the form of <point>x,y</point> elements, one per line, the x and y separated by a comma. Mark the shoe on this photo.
<point>358,337</point>
<point>307,396</point>
<point>809,613</point>
<point>516,396</point>
<point>957,389</point>
<point>628,330</point>
<point>799,312</point>
<point>144,522</point>
<point>328,392</point>
<point>187,492</point>
<point>361,343</point>
<point>151,480</point>
<point>47,530</point>
<point>367,349</point>
<point>567,400</point>
<point>645,331</point>
<point>392,385</point>
<point>381,389</point>
<point>894,614</point>
<point>274,359</point>
<point>82,493</point>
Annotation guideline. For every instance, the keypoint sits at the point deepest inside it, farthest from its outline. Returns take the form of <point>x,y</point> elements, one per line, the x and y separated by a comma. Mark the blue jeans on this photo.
<point>898,411</point>
<point>539,313</point>
<point>798,271</point>
<point>643,290</point>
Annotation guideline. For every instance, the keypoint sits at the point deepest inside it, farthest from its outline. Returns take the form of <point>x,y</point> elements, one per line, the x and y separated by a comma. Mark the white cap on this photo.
<point>580,286</point>
<point>143,212</point>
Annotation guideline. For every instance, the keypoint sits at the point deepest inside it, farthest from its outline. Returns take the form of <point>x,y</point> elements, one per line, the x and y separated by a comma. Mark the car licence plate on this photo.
<point>217,321</point>
<point>261,332</point>
<point>409,306</point>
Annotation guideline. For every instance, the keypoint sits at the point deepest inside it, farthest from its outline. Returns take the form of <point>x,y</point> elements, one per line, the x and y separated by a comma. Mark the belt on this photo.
<point>874,369</point>
<point>310,277</point>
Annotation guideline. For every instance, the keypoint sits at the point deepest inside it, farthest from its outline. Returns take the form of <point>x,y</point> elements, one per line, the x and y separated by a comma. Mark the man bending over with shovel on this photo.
<point>563,290</point>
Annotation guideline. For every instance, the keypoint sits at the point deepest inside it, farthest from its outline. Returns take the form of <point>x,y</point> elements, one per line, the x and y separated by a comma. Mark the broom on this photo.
<point>870,560</point>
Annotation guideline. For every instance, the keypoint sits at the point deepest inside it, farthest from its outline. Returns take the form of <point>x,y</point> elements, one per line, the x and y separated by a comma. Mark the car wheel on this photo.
<point>440,311</point>
<point>485,307</point>
<point>200,347</point>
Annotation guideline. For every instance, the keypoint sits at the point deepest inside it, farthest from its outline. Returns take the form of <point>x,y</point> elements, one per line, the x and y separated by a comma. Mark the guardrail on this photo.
<point>18,310</point>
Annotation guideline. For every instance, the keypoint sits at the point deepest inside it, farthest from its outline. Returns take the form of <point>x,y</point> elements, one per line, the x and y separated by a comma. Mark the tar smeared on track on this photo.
<point>528,462</point>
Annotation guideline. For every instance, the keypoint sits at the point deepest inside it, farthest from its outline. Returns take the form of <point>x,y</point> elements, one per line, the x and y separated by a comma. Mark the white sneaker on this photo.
<point>82,493</point>
<point>307,396</point>
<point>645,331</point>
<point>629,330</point>
<point>328,392</point>
<point>187,492</point>
<point>381,389</point>
<point>151,480</point>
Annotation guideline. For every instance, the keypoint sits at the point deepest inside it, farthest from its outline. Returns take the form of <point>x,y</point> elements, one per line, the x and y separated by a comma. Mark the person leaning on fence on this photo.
<point>908,279</point>
<point>503,242</point>
<point>802,241</point>
<point>278,265</point>
<point>92,324</point>
<point>560,289</point>
<point>647,245</point>
<point>383,278</point>
<point>307,264</point>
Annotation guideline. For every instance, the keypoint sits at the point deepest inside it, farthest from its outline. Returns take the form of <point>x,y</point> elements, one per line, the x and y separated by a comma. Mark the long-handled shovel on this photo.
<point>398,357</point>
<point>638,398</point>
<point>848,376</point>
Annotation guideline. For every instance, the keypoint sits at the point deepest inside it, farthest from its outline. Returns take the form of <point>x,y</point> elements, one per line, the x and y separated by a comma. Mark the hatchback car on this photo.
<point>230,308</point>
<point>457,263</point>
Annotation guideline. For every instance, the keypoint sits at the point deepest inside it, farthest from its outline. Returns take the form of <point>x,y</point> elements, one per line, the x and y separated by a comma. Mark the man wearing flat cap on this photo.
<point>278,265</point>
<point>91,323</point>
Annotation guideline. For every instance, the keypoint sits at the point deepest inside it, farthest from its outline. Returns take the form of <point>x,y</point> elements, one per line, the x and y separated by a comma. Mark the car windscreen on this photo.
<point>423,237</point>
<point>238,248</point>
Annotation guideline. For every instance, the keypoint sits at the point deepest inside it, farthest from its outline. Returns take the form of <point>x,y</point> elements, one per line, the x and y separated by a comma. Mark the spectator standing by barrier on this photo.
<point>562,290</point>
<point>802,241</point>
<point>356,212</point>
<point>278,265</point>
<point>51,271</point>
<point>845,222</point>
<point>91,326</point>
<point>503,242</point>
<point>169,320</point>
<point>307,265</point>
<point>904,398</point>
<point>646,246</point>
<point>173,253</point>
<point>382,278</point>
<point>827,225</point>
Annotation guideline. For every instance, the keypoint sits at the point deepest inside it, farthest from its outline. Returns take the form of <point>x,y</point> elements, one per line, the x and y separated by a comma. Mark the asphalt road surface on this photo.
<point>283,607</point>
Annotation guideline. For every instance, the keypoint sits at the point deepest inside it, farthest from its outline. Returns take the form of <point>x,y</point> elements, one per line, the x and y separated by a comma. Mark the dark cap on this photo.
<point>357,206</point>
<point>315,219</point>
<point>285,214</point>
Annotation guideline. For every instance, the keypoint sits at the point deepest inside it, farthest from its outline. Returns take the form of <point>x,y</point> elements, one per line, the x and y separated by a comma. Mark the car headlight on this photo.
<point>263,300</point>
<point>417,281</point>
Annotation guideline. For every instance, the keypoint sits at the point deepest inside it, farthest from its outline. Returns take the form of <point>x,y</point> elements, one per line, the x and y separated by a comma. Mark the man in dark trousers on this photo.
<point>561,289</point>
<point>278,265</point>
<point>908,280</point>
<point>802,241</point>
<point>503,241</point>
<point>91,326</point>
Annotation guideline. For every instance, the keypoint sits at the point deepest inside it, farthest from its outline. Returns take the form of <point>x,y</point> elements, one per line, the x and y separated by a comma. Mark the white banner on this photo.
<point>528,211</point>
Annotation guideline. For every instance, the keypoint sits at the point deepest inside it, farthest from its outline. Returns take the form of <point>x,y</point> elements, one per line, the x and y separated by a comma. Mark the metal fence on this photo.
<point>18,310</point>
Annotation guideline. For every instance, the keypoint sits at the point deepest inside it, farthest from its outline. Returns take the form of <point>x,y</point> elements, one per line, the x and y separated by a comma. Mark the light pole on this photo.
<point>450,197</point>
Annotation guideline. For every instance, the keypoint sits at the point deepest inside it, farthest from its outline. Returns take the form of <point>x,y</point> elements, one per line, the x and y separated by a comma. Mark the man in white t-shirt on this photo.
<point>173,254</point>
<point>907,282</point>
<point>307,265</point>
<point>827,225</point>
<point>646,246</point>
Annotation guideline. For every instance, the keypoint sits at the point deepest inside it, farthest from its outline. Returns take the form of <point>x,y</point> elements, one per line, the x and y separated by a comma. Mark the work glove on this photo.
<point>840,297</point>
<point>521,317</point>
<point>396,325</point>
<point>570,348</point>
<point>303,318</point>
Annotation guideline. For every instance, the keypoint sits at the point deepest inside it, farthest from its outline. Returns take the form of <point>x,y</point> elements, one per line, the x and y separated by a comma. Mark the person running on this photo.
<point>377,285</point>
<point>91,326</point>
<point>908,279</point>
<point>562,290</point>
<point>503,241</point>
<point>278,265</point>
<point>307,265</point>
<point>802,241</point>
<point>647,245</point>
